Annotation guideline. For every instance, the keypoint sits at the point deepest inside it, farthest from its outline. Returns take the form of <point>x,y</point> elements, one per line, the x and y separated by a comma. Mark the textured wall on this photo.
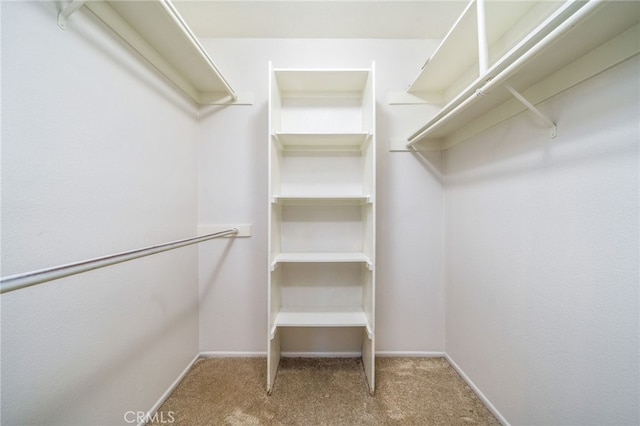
<point>542,258</point>
<point>98,156</point>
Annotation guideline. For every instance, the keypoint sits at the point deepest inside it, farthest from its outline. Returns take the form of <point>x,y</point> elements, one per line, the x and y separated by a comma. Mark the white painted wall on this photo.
<point>542,258</point>
<point>98,156</point>
<point>233,188</point>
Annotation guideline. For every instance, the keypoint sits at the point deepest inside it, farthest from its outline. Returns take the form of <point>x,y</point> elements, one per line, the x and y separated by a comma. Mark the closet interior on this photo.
<point>470,194</point>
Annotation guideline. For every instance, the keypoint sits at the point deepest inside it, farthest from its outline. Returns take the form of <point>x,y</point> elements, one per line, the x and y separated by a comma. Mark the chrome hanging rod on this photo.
<point>27,279</point>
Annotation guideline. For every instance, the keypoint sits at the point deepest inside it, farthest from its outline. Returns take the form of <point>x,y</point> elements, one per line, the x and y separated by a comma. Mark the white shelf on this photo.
<point>323,82</point>
<point>457,54</point>
<point>322,199</point>
<point>156,31</point>
<point>324,317</point>
<point>322,141</point>
<point>569,50</point>
<point>318,257</point>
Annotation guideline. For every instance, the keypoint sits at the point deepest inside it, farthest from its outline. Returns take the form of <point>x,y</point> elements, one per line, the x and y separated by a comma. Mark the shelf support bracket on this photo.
<point>67,11</point>
<point>483,49</point>
<point>533,109</point>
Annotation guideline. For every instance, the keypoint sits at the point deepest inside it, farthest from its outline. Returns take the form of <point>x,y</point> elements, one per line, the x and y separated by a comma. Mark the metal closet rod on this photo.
<point>27,279</point>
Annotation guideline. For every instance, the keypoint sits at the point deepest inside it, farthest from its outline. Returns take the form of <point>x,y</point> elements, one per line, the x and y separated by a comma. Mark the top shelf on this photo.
<point>457,54</point>
<point>575,42</point>
<point>156,30</point>
<point>325,82</point>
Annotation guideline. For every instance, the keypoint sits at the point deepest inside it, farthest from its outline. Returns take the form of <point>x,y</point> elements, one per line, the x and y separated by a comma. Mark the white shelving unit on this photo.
<point>155,29</point>
<point>520,54</point>
<point>322,205</point>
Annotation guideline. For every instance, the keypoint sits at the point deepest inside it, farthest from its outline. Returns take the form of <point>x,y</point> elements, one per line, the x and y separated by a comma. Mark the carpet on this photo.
<point>323,391</point>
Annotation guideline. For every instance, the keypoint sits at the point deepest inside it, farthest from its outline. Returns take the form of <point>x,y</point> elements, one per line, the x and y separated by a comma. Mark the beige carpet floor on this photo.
<point>324,391</point>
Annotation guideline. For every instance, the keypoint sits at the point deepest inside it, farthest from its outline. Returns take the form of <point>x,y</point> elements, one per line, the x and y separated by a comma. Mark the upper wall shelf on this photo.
<point>156,31</point>
<point>531,51</point>
<point>457,55</point>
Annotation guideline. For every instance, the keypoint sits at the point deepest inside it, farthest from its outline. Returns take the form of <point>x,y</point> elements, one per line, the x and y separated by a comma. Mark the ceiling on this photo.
<point>418,19</point>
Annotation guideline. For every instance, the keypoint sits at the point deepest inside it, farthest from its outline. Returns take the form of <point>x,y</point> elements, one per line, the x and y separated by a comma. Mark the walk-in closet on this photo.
<point>320,212</point>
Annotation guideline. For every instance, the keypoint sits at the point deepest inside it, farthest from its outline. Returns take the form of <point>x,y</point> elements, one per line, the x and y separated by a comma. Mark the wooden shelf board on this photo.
<point>322,199</point>
<point>324,141</point>
<point>583,41</point>
<point>157,32</point>
<point>320,257</point>
<point>291,81</point>
<point>321,317</point>
<point>458,51</point>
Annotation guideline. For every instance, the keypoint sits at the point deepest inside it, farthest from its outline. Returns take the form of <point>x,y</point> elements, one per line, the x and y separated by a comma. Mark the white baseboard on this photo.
<point>232,354</point>
<point>477,391</point>
<point>165,395</point>
<point>409,354</point>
